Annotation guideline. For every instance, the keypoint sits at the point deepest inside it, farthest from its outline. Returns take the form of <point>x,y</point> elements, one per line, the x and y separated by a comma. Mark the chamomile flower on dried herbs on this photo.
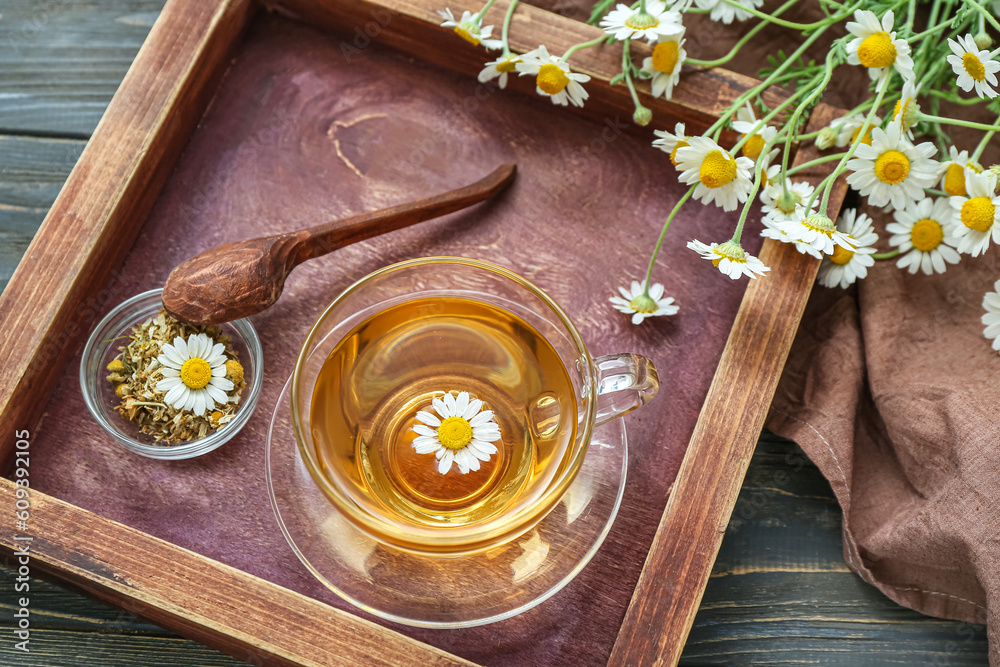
<point>177,381</point>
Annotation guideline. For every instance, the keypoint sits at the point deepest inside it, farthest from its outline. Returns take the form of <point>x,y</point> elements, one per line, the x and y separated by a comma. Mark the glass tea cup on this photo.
<point>436,334</point>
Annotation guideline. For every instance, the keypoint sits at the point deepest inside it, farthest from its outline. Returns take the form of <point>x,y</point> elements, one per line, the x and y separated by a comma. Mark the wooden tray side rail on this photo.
<point>97,217</point>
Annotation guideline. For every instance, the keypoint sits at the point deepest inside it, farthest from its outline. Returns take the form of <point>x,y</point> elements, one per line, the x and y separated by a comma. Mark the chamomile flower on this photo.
<point>730,258</point>
<point>194,374</point>
<point>775,230</point>
<point>845,266</point>
<point>655,23</point>
<point>893,169</point>
<point>461,432</point>
<point>640,305</point>
<point>977,216</point>
<point>849,127</point>
<point>779,206</point>
<point>973,66</point>
<point>720,177</point>
<point>670,143</point>
<point>907,110</point>
<point>953,172</point>
<point>922,232</point>
<point>745,124</point>
<point>875,46</point>
<point>553,78</point>
<point>725,12</point>
<point>816,231</point>
<point>499,69</point>
<point>470,28</point>
<point>991,304</point>
<point>664,66</point>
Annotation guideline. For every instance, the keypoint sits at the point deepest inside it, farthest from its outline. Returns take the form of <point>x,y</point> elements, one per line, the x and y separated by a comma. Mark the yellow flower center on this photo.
<point>507,66</point>
<point>551,79</point>
<point>974,66</point>
<point>673,154</point>
<point>753,146</point>
<point>867,139</point>
<point>926,234</point>
<point>455,433</point>
<point>892,167</point>
<point>717,169</point>
<point>841,255</point>
<point>954,181</point>
<point>665,57</point>
<point>196,373</point>
<point>977,213</point>
<point>877,50</point>
<point>466,35</point>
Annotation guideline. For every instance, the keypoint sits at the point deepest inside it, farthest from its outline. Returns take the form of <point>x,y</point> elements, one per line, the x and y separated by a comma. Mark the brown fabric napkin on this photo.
<point>893,391</point>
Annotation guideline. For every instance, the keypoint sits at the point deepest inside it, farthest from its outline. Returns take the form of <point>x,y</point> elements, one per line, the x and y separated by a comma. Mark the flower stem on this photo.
<point>663,233</point>
<point>793,123</point>
<point>506,26</point>
<point>886,255</point>
<point>983,143</point>
<point>582,45</point>
<point>813,163</point>
<point>882,87</point>
<point>752,197</point>
<point>741,43</point>
<point>627,73</point>
<point>979,8</point>
<point>955,121</point>
<point>482,12</point>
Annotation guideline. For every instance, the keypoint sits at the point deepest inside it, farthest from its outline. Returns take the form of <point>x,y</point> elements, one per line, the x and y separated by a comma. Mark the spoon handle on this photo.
<point>326,238</point>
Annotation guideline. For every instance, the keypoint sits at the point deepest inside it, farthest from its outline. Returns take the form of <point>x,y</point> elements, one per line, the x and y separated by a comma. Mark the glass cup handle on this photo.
<point>624,383</point>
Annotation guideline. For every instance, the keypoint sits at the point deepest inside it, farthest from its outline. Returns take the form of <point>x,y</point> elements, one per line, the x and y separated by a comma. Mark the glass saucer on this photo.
<point>439,592</point>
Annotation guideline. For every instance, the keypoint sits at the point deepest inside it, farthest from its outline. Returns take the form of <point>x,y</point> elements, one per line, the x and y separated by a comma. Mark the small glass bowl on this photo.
<point>99,394</point>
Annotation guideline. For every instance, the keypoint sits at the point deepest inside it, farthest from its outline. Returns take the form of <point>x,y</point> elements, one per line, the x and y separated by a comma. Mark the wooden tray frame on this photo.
<point>55,297</point>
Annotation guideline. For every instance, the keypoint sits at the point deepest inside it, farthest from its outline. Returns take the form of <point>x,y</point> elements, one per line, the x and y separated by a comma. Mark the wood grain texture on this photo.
<point>701,502</point>
<point>414,26</point>
<point>201,597</point>
<point>53,296</point>
<point>62,61</point>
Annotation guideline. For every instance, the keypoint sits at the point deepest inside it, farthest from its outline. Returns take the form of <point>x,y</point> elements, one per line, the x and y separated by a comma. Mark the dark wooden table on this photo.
<point>780,593</point>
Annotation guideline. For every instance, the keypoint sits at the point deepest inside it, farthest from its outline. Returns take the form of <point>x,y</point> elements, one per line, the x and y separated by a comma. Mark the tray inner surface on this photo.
<point>299,134</point>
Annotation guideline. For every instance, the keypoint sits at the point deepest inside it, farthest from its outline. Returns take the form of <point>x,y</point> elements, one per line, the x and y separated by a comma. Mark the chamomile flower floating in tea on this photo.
<point>461,433</point>
<point>175,380</point>
<point>194,374</point>
<point>642,303</point>
<point>922,232</point>
<point>845,266</point>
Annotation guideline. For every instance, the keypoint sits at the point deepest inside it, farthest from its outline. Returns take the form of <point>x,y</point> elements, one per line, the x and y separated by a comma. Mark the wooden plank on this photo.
<point>414,26</point>
<point>54,295</point>
<point>218,605</point>
<point>62,60</point>
<point>701,502</point>
<point>31,173</point>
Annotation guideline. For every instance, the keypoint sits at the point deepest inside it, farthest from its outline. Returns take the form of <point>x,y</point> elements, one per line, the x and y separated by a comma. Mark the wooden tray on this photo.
<point>66,281</point>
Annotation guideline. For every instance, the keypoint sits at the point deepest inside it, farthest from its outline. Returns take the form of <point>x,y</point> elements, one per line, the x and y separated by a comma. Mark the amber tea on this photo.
<point>442,412</point>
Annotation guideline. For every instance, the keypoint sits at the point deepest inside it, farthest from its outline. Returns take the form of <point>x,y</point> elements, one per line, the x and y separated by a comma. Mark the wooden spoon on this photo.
<point>239,279</point>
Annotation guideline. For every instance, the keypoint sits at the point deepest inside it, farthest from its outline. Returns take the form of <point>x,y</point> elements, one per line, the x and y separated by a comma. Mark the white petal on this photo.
<point>440,408</point>
<point>170,372</point>
<point>181,347</point>
<point>471,410</point>
<point>428,418</point>
<point>425,431</point>
<point>449,402</point>
<point>461,403</point>
<point>481,418</point>
<point>166,384</point>
<point>222,383</point>
<point>216,394</point>
<point>445,463</point>
<point>485,446</point>
<point>176,396</point>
